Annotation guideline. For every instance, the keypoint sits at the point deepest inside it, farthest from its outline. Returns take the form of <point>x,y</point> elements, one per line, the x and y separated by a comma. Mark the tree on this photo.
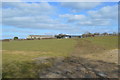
<point>60,36</point>
<point>84,35</point>
<point>119,33</point>
<point>88,34</point>
<point>114,33</point>
<point>97,34</point>
<point>105,33</point>
<point>15,38</point>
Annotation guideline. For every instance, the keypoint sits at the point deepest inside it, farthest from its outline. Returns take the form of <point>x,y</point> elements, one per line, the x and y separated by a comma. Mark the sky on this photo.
<point>49,18</point>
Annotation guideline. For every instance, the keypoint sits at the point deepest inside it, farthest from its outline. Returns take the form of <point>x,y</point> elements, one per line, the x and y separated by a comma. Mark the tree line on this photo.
<point>88,34</point>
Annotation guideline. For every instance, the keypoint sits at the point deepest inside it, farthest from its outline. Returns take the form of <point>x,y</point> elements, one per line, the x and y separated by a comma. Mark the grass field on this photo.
<point>103,48</point>
<point>26,50</point>
<point>108,42</point>
<point>18,56</point>
<point>98,44</point>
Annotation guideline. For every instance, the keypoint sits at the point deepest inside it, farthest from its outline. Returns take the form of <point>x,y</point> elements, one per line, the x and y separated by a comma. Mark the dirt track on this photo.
<point>102,65</point>
<point>74,67</point>
<point>110,56</point>
<point>90,65</point>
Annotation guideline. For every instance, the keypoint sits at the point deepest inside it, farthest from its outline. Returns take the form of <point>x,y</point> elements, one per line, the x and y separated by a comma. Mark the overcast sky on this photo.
<point>23,19</point>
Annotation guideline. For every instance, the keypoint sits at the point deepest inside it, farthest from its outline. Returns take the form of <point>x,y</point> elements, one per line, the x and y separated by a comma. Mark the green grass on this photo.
<point>95,45</point>
<point>53,45</point>
<point>26,50</point>
<point>19,56</point>
<point>108,42</point>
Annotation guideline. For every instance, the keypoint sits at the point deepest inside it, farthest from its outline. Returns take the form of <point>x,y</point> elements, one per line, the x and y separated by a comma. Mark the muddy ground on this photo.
<point>104,65</point>
<point>76,67</point>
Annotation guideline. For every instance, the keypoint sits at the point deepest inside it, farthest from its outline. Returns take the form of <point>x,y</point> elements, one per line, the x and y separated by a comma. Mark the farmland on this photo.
<point>22,57</point>
<point>21,54</point>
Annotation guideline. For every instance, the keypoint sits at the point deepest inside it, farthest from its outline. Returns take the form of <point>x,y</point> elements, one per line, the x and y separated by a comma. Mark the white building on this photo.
<point>40,36</point>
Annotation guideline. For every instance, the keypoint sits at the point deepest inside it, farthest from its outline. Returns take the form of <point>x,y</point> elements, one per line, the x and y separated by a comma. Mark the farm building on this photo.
<point>75,36</point>
<point>40,36</point>
<point>67,36</point>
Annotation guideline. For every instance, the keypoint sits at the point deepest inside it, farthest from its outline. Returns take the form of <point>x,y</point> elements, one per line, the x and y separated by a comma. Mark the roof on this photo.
<point>41,35</point>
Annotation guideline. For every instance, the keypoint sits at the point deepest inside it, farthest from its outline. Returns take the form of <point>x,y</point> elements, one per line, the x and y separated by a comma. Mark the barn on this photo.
<point>40,36</point>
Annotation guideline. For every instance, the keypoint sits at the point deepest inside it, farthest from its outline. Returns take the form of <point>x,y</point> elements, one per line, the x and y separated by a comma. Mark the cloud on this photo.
<point>11,0</point>
<point>28,15</point>
<point>82,20</point>
<point>79,6</point>
<point>41,22</point>
<point>32,15</point>
<point>107,12</point>
<point>95,22</point>
<point>44,16</point>
<point>11,9</point>
<point>104,16</point>
<point>73,18</point>
<point>28,19</point>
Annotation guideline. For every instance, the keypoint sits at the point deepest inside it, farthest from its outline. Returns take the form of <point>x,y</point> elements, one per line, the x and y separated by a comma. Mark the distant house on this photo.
<point>40,36</point>
<point>61,36</point>
<point>6,40</point>
<point>75,36</point>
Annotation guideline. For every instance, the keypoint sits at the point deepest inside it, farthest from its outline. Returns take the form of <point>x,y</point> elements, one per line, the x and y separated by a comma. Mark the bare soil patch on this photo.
<point>76,67</point>
<point>86,61</point>
<point>107,56</point>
